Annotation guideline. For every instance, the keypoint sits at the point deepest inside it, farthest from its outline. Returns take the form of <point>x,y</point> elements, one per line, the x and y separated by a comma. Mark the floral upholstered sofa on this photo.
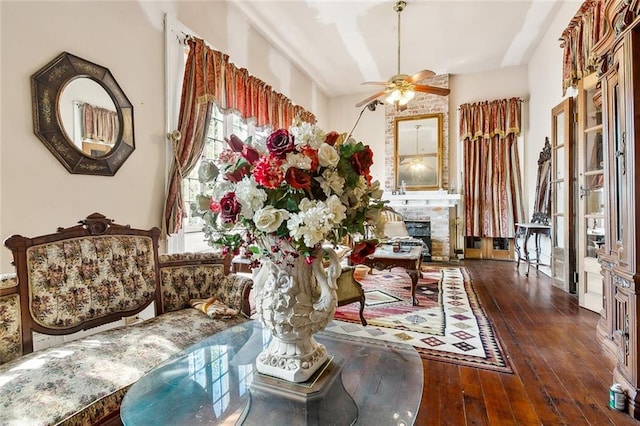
<point>86,276</point>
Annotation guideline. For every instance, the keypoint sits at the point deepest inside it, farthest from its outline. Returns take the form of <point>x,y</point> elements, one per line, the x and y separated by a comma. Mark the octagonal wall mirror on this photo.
<point>418,152</point>
<point>82,116</point>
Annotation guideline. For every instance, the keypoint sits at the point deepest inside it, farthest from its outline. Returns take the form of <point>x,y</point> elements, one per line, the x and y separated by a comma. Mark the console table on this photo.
<point>215,382</point>
<point>525,230</point>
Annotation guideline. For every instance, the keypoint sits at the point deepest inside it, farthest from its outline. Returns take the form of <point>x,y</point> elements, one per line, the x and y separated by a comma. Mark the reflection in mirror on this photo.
<point>89,116</point>
<point>418,152</point>
<point>82,116</point>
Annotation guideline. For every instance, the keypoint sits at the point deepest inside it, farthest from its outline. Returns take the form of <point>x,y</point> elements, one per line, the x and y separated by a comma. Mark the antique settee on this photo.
<point>86,276</point>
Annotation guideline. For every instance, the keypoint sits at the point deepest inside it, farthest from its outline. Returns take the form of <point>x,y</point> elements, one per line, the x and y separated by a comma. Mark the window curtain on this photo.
<point>210,78</point>
<point>584,31</point>
<point>492,181</point>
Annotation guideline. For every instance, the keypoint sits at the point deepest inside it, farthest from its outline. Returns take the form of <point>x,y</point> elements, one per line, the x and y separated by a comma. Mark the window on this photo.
<point>220,126</point>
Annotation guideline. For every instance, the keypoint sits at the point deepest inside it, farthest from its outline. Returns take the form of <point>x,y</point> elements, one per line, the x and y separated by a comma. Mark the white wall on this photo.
<point>545,86</point>
<point>37,194</point>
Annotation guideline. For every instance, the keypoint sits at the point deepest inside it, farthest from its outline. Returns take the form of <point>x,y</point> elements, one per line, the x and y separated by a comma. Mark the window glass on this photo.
<point>220,126</point>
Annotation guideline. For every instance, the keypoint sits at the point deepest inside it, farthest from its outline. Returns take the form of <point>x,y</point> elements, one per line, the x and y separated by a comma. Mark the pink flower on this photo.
<point>309,259</point>
<point>280,142</point>
<point>268,172</point>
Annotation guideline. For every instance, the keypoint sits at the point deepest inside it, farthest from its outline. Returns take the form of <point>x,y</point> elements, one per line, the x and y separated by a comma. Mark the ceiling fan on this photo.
<point>401,88</point>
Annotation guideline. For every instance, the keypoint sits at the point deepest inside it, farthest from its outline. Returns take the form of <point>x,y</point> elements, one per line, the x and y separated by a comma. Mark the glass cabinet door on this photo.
<point>590,218</point>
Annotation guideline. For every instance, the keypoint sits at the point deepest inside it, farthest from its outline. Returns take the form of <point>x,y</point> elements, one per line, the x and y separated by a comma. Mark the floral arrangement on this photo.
<point>286,196</point>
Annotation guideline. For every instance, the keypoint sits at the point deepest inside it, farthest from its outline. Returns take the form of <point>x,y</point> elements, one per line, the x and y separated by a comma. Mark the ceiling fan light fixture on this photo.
<point>400,89</point>
<point>400,96</point>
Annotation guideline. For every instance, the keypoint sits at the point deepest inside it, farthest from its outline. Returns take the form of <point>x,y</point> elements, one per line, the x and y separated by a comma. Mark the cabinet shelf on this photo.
<point>596,128</point>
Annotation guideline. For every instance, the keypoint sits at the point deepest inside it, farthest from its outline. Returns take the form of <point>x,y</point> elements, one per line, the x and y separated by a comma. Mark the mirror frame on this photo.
<point>47,85</point>
<point>396,163</point>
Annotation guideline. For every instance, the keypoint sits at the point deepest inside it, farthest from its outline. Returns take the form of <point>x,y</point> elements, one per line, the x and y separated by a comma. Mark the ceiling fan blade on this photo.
<point>440,91</point>
<point>379,83</point>
<point>369,99</point>
<point>420,75</point>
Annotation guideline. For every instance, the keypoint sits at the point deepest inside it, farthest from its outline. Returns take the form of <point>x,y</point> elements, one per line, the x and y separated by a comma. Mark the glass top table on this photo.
<point>215,382</point>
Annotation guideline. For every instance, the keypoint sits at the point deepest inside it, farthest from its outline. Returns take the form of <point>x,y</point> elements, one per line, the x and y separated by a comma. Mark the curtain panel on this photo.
<point>584,31</point>
<point>210,78</point>
<point>492,181</point>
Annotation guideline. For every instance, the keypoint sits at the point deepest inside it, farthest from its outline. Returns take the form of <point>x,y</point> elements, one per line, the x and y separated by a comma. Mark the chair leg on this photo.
<point>362,320</point>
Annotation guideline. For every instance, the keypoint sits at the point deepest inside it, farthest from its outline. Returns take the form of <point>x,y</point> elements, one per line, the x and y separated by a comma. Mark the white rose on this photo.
<point>328,156</point>
<point>269,219</point>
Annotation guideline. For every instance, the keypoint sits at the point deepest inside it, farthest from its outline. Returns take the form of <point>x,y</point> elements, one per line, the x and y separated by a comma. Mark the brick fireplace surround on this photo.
<point>436,206</point>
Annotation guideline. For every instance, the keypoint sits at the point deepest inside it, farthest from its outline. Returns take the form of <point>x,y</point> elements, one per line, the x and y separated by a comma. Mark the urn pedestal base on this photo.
<point>293,361</point>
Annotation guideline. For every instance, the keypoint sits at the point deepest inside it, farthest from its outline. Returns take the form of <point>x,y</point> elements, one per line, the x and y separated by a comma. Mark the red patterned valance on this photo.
<point>234,89</point>
<point>578,39</point>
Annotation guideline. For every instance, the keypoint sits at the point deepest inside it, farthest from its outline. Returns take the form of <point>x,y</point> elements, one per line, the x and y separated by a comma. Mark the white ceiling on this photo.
<point>341,44</point>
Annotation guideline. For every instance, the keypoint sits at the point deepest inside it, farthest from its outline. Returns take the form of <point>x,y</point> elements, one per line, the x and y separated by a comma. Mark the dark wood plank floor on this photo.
<point>561,376</point>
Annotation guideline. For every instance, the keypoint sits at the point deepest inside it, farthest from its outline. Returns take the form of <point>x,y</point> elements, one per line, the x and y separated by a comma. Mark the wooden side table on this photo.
<point>409,258</point>
<point>525,230</point>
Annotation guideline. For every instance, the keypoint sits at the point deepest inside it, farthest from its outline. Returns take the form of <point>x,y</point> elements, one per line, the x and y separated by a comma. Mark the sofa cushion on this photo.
<point>213,308</point>
<point>63,382</point>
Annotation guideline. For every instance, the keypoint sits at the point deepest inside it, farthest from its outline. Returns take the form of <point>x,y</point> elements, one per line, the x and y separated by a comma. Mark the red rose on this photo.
<point>229,208</point>
<point>235,143</point>
<point>297,178</point>
<point>214,206</point>
<point>331,138</point>
<point>280,142</point>
<point>361,250</point>
<point>362,161</point>
<point>237,175</point>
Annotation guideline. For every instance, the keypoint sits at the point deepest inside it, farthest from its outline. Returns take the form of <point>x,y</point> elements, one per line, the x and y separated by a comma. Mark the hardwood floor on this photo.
<point>561,376</point>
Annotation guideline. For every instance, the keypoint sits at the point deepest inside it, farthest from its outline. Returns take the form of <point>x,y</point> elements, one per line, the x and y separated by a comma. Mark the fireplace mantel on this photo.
<point>422,198</point>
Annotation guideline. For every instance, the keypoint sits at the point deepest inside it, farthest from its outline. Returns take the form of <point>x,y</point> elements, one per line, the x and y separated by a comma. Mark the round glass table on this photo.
<point>215,381</point>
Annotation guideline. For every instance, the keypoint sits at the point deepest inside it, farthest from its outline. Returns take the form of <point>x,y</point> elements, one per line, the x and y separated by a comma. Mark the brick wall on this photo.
<point>421,104</point>
<point>440,217</point>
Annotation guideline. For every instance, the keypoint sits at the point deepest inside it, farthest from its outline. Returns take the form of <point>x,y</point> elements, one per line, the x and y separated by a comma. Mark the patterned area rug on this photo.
<point>449,325</point>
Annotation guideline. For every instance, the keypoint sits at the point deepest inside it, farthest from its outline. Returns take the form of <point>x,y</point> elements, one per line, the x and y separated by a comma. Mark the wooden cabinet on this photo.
<point>489,248</point>
<point>620,82</point>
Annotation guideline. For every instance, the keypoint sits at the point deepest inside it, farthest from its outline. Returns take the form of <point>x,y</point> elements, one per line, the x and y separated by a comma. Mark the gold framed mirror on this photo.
<point>82,116</point>
<point>418,152</point>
